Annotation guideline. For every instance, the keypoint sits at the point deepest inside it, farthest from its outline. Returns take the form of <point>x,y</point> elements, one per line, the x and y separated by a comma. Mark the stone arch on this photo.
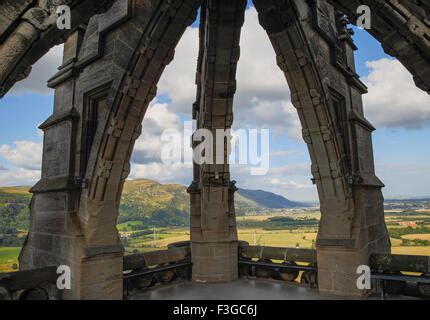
<point>402,27</point>
<point>110,71</point>
<point>109,75</point>
<point>28,30</point>
<point>316,56</point>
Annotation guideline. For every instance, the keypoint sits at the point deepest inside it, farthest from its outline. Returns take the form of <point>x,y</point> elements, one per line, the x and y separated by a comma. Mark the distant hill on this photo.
<point>150,203</point>
<point>407,204</point>
<point>14,213</point>
<point>269,200</point>
<point>155,204</point>
<point>168,204</point>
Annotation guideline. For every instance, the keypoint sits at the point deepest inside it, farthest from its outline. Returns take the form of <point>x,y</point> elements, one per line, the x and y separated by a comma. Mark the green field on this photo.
<point>153,215</point>
<point>8,257</point>
<point>288,229</point>
<point>130,226</point>
<point>301,232</point>
<point>425,236</point>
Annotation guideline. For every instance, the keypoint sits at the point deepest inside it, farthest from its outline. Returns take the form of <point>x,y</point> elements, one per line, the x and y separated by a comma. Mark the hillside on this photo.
<point>154,204</point>
<point>145,203</point>
<point>269,200</point>
<point>14,213</point>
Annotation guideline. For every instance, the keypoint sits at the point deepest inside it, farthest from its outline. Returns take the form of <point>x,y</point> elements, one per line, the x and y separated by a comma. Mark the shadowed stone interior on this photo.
<point>112,63</point>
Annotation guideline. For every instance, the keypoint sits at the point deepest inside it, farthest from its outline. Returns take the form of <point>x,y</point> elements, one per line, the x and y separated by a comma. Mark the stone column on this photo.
<point>102,91</point>
<point>338,259</point>
<point>317,59</point>
<point>213,227</point>
<point>55,236</point>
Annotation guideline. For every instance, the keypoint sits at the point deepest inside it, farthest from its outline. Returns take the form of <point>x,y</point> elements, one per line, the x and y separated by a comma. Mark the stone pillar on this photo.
<point>102,91</point>
<point>213,228</point>
<point>338,259</point>
<point>55,237</point>
<point>214,245</point>
<point>316,56</point>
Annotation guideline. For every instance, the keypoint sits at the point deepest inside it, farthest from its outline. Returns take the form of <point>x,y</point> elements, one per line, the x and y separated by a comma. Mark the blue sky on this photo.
<point>394,105</point>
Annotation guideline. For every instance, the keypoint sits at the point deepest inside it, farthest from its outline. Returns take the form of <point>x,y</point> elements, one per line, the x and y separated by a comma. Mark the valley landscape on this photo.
<point>152,215</point>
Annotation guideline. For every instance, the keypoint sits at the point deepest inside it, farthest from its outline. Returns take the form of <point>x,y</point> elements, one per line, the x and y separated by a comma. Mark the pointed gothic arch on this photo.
<point>109,75</point>
<point>110,72</point>
<point>316,56</point>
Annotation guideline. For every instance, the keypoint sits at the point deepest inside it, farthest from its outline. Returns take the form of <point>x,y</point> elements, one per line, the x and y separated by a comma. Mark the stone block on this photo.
<point>214,262</point>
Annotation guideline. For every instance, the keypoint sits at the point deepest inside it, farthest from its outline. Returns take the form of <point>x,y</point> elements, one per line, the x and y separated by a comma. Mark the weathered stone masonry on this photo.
<point>102,92</point>
<point>28,29</point>
<point>213,222</point>
<point>403,28</point>
<point>111,66</point>
<point>316,56</point>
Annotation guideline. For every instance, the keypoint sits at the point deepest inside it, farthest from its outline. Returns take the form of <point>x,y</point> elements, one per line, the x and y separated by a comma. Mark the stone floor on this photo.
<point>239,290</point>
<point>243,289</point>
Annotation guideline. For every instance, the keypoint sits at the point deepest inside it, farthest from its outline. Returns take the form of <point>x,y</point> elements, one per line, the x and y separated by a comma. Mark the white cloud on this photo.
<point>42,71</point>
<point>285,153</point>
<point>262,100</point>
<point>263,96</point>
<point>24,154</point>
<point>279,116</point>
<point>393,99</point>
<point>19,177</point>
<point>290,185</point>
<point>280,173</point>
<point>176,173</point>
<point>178,80</point>
<point>258,75</point>
<point>291,181</point>
<point>158,119</point>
